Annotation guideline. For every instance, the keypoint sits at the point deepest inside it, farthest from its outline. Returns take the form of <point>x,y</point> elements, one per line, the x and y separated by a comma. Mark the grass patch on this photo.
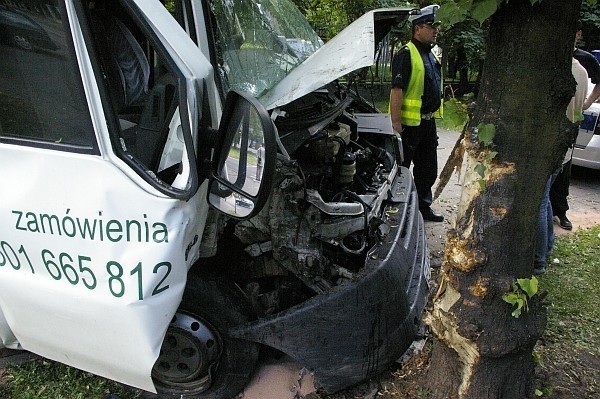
<point>574,286</point>
<point>234,152</point>
<point>569,354</point>
<point>45,379</point>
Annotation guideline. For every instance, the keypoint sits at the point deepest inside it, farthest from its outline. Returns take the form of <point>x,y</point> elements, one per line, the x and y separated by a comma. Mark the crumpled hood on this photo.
<point>352,49</point>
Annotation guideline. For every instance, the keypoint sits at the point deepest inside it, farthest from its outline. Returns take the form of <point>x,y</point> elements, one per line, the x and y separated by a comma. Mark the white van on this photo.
<point>137,240</point>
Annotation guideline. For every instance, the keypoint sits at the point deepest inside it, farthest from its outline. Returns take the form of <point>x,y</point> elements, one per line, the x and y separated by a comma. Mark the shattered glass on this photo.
<point>259,43</point>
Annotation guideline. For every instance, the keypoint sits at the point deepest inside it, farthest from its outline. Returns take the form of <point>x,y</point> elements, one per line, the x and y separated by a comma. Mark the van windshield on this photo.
<point>260,42</point>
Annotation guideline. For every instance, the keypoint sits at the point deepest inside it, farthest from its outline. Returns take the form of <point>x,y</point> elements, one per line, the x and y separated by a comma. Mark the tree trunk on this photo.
<point>480,350</point>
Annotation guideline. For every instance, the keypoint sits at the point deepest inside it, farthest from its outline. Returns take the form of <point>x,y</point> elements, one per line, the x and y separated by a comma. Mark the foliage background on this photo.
<point>462,37</point>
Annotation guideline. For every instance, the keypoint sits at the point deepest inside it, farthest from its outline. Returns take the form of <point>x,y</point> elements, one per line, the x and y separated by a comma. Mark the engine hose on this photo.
<point>339,158</point>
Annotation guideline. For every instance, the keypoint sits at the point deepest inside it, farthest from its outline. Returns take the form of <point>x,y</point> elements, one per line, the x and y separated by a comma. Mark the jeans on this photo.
<point>545,232</point>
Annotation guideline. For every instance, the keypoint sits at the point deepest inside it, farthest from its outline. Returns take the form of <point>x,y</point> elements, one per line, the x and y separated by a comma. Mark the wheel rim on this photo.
<point>189,352</point>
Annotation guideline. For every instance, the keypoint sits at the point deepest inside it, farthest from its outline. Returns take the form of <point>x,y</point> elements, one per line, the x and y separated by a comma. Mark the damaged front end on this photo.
<point>337,262</point>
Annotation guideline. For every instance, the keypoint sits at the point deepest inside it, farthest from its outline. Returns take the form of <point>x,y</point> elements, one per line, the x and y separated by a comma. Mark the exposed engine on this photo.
<point>326,208</point>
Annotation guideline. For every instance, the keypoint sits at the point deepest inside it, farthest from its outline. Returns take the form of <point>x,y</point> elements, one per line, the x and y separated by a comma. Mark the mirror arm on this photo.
<point>274,114</point>
<point>207,142</point>
<point>211,137</point>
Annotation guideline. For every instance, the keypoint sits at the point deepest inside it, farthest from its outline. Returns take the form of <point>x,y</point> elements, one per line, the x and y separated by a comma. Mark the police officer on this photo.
<point>415,101</point>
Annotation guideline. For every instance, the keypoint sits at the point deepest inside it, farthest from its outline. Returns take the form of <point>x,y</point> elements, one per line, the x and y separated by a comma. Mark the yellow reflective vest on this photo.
<point>412,96</point>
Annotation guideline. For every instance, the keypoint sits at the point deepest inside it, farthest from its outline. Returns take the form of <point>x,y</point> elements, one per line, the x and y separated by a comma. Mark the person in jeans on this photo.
<point>545,232</point>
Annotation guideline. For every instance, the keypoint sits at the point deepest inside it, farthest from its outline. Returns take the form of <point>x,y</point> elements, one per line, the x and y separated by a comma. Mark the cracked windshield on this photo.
<point>259,43</point>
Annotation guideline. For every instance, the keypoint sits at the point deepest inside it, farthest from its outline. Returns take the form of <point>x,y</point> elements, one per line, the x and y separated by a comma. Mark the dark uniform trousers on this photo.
<point>559,191</point>
<point>420,147</point>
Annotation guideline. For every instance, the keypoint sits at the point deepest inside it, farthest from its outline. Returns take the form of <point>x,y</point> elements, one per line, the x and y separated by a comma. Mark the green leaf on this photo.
<point>519,302</point>
<point>451,14</point>
<point>483,9</point>
<point>529,286</point>
<point>537,391</point>
<point>486,133</point>
<point>517,298</point>
<point>491,155</point>
<point>510,298</point>
<point>455,114</point>
<point>480,169</point>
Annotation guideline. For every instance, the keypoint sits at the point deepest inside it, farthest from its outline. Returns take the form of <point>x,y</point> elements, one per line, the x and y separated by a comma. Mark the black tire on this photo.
<point>209,307</point>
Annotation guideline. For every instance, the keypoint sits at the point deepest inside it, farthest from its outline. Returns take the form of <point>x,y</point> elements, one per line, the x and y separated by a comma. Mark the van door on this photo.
<point>103,209</point>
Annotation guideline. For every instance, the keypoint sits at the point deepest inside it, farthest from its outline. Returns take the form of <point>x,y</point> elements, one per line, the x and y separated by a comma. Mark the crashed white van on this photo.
<point>139,241</point>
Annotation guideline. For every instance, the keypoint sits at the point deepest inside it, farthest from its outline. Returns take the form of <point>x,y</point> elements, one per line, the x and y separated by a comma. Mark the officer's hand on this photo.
<point>397,128</point>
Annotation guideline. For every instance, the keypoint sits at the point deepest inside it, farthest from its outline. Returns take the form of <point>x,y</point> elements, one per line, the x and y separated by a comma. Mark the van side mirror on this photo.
<point>244,159</point>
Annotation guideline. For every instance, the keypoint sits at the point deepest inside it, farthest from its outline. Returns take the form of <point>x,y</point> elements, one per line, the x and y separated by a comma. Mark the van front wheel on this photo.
<point>198,359</point>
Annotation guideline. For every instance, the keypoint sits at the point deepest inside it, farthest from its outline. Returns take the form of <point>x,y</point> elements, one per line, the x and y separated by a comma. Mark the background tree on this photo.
<point>590,19</point>
<point>463,42</point>
<point>462,38</point>
<point>463,46</point>
<point>514,140</point>
<point>329,17</point>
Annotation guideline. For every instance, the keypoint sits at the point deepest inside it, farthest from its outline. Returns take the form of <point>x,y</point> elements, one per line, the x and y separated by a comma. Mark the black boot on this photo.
<point>430,215</point>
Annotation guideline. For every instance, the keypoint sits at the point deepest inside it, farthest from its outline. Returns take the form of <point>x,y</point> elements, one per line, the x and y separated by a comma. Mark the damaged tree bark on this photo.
<point>515,139</point>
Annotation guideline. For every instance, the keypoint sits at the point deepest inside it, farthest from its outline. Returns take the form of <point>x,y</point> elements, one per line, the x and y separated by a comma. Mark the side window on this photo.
<point>141,87</point>
<point>42,102</point>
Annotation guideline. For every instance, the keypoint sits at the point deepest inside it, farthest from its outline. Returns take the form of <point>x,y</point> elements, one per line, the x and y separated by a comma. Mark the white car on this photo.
<point>586,152</point>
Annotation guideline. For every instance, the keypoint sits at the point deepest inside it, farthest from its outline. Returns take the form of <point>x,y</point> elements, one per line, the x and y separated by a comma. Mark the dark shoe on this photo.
<point>430,215</point>
<point>564,222</point>
<point>539,268</point>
